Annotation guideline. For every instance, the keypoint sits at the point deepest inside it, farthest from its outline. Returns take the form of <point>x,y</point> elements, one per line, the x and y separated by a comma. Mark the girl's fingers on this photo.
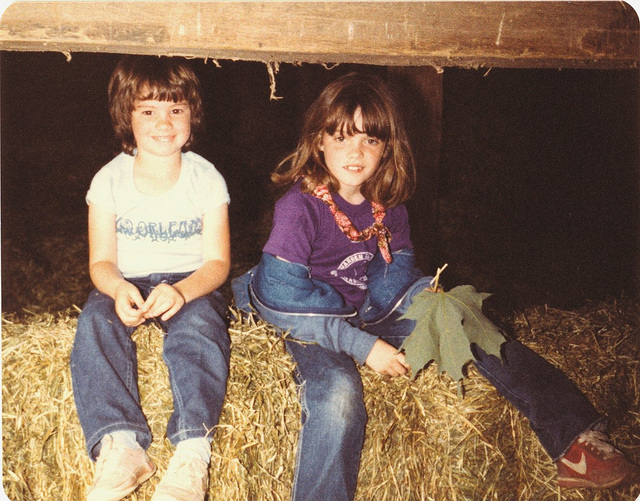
<point>136,298</point>
<point>171,312</point>
<point>130,316</point>
<point>125,308</point>
<point>401,358</point>
<point>161,307</point>
<point>401,366</point>
<point>134,322</point>
<point>163,300</point>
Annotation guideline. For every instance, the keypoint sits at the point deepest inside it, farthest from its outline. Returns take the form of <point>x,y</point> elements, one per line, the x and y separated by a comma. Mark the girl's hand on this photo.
<point>164,300</point>
<point>384,359</point>
<point>129,304</point>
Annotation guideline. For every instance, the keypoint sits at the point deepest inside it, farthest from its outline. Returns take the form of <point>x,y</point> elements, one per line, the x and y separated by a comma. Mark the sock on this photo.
<point>126,438</point>
<point>197,448</point>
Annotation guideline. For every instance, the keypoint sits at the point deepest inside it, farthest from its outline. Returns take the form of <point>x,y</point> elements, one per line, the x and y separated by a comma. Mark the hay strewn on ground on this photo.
<point>423,442</point>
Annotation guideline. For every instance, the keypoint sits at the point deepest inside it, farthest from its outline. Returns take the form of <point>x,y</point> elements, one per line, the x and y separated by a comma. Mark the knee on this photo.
<point>338,401</point>
<point>199,318</point>
<point>97,323</point>
<point>202,312</point>
<point>98,308</point>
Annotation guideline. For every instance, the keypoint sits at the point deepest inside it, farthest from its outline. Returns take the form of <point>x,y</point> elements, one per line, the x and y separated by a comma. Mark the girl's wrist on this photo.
<point>118,285</point>
<point>179,290</point>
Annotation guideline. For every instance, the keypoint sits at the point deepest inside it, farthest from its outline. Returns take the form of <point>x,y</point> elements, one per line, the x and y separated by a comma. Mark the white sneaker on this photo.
<point>119,471</point>
<point>186,479</point>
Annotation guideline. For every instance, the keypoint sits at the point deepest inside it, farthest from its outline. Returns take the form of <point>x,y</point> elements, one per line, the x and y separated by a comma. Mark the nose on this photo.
<point>164,122</point>
<point>355,149</point>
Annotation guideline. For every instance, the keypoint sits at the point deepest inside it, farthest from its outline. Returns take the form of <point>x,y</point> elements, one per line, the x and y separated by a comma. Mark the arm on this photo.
<point>103,267</point>
<point>280,288</point>
<point>335,333</point>
<point>166,300</point>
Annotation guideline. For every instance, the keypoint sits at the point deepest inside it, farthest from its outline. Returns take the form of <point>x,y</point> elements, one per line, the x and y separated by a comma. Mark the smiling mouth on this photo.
<point>354,168</point>
<point>164,139</point>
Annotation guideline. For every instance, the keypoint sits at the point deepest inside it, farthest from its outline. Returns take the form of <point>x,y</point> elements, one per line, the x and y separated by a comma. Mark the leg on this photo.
<point>104,373</point>
<point>556,408</point>
<point>562,417</point>
<point>196,351</point>
<point>333,424</point>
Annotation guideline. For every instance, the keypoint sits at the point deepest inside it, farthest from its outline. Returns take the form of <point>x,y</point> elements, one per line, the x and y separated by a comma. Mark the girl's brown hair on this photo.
<point>394,180</point>
<point>140,78</point>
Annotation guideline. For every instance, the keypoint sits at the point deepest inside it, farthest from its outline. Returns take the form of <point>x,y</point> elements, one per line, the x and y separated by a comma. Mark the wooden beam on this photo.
<point>420,98</point>
<point>470,34</point>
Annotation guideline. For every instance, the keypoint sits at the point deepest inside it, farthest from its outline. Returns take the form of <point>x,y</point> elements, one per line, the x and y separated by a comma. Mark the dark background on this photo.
<point>537,184</point>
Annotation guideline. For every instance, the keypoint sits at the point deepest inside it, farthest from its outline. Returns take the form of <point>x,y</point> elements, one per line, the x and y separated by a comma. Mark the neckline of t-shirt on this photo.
<point>362,207</point>
<point>175,186</point>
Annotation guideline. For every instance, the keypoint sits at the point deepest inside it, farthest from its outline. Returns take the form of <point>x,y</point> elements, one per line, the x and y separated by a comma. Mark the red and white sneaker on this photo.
<point>592,462</point>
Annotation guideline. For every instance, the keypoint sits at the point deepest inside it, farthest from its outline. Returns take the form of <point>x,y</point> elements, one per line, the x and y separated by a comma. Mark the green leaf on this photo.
<point>447,323</point>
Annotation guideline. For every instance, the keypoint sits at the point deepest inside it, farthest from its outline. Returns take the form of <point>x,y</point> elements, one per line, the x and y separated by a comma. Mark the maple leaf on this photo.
<point>447,323</point>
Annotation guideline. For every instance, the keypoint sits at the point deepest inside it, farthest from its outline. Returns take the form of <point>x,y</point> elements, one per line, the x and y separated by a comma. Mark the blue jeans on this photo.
<point>104,367</point>
<point>334,417</point>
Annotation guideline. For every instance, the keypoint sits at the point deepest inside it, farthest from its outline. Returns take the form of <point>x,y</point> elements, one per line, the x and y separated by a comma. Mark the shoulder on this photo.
<point>119,163</point>
<point>297,205</point>
<point>295,199</point>
<point>203,182</point>
<point>111,181</point>
<point>202,177</point>
<point>397,219</point>
<point>398,212</point>
<point>117,169</point>
<point>200,166</point>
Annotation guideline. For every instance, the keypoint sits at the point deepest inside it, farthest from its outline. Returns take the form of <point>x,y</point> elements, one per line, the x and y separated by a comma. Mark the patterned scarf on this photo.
<point>378,229</point>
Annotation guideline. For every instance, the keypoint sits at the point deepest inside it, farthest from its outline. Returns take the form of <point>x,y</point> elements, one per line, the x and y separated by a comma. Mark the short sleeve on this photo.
<point>295,224</point>
<point>101,192</point>
<point>206,182</point>
<point>398,223</point>
<point>215,192</point>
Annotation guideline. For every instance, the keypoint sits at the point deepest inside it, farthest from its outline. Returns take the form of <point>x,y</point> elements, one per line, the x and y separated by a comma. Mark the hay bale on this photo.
<point>423,442</point>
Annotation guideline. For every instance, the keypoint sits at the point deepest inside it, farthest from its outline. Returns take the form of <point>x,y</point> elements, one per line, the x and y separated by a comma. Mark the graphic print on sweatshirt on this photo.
<point>353,269</point>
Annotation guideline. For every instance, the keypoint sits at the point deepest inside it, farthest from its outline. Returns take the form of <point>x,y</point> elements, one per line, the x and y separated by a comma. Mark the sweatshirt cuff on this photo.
<point>362,345</point>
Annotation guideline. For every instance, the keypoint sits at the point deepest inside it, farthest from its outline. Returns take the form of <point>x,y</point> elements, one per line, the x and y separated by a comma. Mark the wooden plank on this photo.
<point>471,34</point>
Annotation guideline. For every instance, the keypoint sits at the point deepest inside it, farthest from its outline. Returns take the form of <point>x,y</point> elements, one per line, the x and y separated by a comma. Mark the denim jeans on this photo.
<point>104,367</point>
<point>334,417</point>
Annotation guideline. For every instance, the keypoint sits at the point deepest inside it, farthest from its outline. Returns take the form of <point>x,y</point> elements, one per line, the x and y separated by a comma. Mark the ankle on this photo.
<point>125,438</point>
<point>195,448</point>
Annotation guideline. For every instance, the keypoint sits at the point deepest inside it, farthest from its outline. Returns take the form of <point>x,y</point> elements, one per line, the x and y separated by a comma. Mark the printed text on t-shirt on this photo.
<point>161,231</point>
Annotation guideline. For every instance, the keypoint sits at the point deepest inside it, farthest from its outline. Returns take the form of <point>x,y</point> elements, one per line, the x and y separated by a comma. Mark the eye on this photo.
<point>178,111</point>
<point>374,141</point>
<point>147,112</point>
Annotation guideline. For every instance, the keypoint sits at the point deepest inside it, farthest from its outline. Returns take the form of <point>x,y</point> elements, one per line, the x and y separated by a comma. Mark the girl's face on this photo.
<point>161,128</point>
<point>352,159</point>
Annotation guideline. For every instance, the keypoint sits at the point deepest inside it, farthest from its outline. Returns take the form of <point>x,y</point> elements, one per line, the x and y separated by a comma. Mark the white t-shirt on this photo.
<point>163,233</point>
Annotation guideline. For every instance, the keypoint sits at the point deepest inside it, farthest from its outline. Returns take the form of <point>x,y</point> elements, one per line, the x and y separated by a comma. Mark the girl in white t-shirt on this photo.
<point>158,249</point>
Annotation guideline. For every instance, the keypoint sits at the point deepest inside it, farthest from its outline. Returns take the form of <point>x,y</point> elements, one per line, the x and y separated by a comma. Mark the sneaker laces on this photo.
<point>598,441</point>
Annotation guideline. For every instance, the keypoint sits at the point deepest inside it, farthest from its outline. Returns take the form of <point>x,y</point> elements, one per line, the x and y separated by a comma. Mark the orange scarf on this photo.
<point>378,229</point>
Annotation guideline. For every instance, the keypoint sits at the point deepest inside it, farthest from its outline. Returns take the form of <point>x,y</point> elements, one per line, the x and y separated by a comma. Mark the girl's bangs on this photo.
<point>159,90</point>
<point>374,120</point>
